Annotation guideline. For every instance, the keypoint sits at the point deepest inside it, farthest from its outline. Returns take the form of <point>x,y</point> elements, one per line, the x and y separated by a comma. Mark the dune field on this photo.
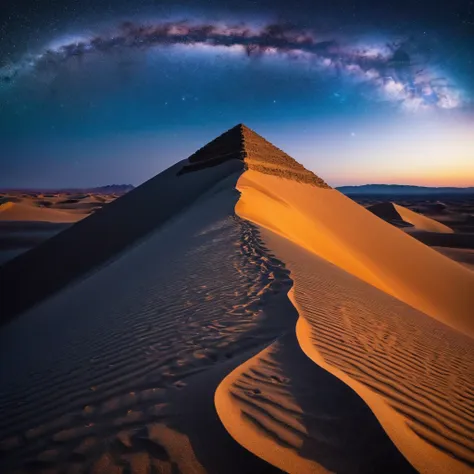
<point>234,314</point>
<point>29,218</point>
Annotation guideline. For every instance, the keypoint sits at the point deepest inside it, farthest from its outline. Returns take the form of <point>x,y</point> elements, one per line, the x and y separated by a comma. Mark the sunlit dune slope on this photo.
<point>330,225</point>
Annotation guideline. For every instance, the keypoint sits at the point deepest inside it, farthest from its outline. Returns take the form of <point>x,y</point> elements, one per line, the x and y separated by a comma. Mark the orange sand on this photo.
<point>414,372</point>
<point>332,226</point>
<point>12,211</point>
<point>421,222</point>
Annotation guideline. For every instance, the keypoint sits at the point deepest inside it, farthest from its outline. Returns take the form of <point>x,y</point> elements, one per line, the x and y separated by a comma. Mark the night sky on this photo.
<point>98,92</point>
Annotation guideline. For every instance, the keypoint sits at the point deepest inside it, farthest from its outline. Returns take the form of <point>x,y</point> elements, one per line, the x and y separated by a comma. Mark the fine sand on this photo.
<point>236,315</point>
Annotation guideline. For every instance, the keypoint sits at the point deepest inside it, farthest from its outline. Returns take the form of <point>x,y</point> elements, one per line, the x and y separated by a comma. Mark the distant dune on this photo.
<point>403,216</point>
<point>28,218</point>
<point>11,211</point>
<point>234,314</point>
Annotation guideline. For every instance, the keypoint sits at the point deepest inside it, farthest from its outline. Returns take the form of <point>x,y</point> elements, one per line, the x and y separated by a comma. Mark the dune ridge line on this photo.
<point>433,439</point>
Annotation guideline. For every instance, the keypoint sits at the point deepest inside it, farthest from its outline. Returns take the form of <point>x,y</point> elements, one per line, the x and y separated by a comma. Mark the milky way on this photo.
<point>387,70</point>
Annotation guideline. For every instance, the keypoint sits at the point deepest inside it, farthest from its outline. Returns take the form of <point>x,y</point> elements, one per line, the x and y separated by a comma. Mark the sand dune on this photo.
<point>332,226</point>
<point>26,212</point>
<point>402,216</point>
<point>118,371</point>
<point>105,234</point>
<point>421,222</point>
<point>415,373</point>
<point>26,220</point>
<point>234,314</point>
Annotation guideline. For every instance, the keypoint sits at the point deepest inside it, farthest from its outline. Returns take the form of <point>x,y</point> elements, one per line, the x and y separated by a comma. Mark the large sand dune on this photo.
<point>119,370</point>
<point>413,371</point>
<point>235,314</point>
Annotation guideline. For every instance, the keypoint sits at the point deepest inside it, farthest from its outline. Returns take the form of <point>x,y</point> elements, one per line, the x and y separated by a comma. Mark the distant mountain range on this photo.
<point>401,189</point>
<point>108,189</point>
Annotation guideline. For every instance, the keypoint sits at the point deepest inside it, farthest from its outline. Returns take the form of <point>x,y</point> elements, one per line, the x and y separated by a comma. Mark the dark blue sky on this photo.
<point>99,92</point>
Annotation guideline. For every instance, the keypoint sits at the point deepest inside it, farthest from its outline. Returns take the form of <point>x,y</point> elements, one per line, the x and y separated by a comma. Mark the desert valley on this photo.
<point>236,314</point>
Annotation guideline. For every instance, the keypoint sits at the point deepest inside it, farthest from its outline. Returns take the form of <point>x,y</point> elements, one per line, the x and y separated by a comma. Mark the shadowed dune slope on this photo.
<point>67,256</point>
<point>334,227</point>
<point>117,372</point>
<point>464,256</point>
<point>435,239</point>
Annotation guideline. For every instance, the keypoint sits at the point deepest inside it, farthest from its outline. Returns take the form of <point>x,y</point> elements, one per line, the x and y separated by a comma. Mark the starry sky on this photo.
<point>359,91</point>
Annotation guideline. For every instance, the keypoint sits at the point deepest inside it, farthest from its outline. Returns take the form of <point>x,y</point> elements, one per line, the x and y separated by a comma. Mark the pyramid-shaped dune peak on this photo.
<point>242,143</point>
